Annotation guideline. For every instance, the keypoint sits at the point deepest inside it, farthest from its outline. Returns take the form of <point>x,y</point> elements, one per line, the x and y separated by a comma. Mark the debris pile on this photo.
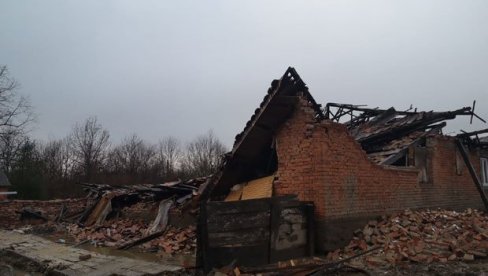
<point>138,215</point>
<point>182,190</point>
<point>111,234</point>
<point>110,200</point>
<point>420,236</point>
<point>119,232</point>
<point>121,217</point>
<point>17,213</point>
<point>175,241</point>
<point>386,134</point>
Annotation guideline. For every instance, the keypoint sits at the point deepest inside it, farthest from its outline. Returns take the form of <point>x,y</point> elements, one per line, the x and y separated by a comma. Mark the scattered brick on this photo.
<point>423,236</point>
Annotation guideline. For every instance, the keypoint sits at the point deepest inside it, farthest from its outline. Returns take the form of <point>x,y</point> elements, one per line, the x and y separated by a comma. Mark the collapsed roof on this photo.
<point>386,134</point>
<point>472,139</point>
<point>252,155</point>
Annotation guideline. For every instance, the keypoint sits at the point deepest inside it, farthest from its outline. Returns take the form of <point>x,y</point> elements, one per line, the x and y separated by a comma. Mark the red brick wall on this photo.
<point>321,162</point>
<point>447,188</point>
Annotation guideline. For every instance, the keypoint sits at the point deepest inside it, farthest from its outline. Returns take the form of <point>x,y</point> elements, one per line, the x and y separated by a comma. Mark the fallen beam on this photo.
<point>62,212</point>
<point>161,221</point>
<point>157,228</point>
<point>468,134</point>
<point>142,240</point>
<point>101,211</point>
<point>27,214</point>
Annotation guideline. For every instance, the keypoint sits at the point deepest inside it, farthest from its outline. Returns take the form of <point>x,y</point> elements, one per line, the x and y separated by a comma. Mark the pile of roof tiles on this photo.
<point>421,237</point>
<point>181,190</point>
<point>176,240</point>
<point>111,233</point>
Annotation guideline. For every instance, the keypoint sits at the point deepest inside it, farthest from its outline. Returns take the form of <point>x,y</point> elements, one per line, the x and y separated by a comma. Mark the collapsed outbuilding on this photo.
<point>293,150</point>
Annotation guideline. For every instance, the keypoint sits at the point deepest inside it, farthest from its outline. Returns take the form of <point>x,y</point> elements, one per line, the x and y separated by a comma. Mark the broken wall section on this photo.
<point>321,162</point>
<point>450,185</point>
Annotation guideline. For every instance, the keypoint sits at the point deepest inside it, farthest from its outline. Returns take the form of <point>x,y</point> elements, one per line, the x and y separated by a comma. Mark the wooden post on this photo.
<point>476,180</point>
<point>310,211</point>
<point>274,226</point>
<point>202,239</point>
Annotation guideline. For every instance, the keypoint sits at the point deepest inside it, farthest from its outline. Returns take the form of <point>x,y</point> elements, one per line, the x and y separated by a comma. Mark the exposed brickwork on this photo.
<point>321,162</point>
<point>448,189</point>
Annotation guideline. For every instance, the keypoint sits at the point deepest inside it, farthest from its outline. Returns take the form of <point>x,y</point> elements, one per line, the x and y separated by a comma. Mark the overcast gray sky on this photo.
<point>179,68</point>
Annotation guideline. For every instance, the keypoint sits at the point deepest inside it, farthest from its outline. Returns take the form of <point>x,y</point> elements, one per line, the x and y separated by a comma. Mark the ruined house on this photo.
<point>375,162</point>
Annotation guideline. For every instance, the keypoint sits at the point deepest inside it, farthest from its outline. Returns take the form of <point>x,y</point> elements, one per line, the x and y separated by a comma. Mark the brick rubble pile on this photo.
<point>181,241</point>
<point>114,233</point>
<point>10,217</point>
<point>424,236</point>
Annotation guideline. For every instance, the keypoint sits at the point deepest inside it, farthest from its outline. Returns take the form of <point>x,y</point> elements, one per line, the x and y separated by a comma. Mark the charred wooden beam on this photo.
<point>142,240</point>
<point>472,133</point>
<point>401,130</point>
<point>30,214</point>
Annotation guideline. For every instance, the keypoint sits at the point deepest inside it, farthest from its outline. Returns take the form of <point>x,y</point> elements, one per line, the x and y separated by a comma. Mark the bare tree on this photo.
<point>134,157</point>
<point>57,159</point>
<point>89,142</point>
<point>113,164</point>
<point>15,110</point>
<point>26,173</point>
<point>203,155</point>
<point>168,156</point>
<point>12,140</point>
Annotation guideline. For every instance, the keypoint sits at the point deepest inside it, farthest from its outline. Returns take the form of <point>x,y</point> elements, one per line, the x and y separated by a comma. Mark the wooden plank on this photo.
<point>239,238</point>
<point>240,230</point>
<point>142,240</point>
<point>289,253</point>
<point>274,229</point>
<point>472,171</point>
<point>88,211</point>
<point>203,250</point>
<point>231,222</point>
<point>234,207</point>
<point>161,220</point>
<point>289,201</point>
<point>244,256</point>
<point>235,195</point>
<point>62,212</point>
<point>250,205</point>
<point>258,188</point>
<point>310,211</point>
<point>101,211</point>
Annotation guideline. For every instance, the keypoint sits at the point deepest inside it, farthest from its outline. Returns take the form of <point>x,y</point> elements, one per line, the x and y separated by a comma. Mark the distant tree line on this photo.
<point>51,169</point>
